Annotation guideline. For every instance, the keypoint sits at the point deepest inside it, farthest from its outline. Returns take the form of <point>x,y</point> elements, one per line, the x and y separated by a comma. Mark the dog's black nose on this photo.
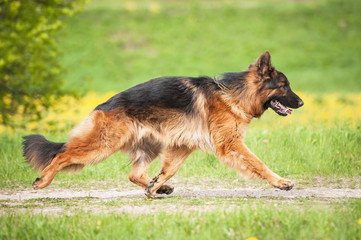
<point>300,102</point>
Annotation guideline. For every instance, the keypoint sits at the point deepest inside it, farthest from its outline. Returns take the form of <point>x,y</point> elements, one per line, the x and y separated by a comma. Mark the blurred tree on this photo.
<point>29,69</point>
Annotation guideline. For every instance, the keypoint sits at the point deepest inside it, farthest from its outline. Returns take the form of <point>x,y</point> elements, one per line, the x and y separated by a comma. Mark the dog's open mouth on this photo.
<point>279,108</point>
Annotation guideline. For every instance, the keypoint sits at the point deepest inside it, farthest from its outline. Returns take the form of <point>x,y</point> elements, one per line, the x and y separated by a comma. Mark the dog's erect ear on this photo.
<point>263,64</point>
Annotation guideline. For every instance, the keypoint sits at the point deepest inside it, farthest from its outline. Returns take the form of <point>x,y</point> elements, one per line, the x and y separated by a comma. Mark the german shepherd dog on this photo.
<point>171,117</point>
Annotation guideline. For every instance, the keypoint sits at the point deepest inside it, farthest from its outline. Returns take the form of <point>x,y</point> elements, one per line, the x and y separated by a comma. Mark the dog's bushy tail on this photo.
<point>39,152</point>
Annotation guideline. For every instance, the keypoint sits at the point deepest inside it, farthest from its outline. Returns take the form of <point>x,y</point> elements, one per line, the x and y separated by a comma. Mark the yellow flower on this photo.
<point>130,6</point>
<point>252,238</point>
<point>359,221</point>
<point>154,7</point>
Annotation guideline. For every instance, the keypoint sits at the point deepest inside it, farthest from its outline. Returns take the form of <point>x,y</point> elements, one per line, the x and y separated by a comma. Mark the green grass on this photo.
<point>292,152</point>
<point>315,43</point>
<point>254,219</point>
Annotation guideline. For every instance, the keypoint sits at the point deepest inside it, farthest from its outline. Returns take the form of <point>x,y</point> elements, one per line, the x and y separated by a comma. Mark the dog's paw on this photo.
<point>165,189</point>
<point>283,184</point>
<point>36,183</point>
<point>150,196</point>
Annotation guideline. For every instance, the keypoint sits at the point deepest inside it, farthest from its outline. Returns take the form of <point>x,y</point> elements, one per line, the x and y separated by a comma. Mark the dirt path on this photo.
<point>111,194</point>
<point>198,195</point>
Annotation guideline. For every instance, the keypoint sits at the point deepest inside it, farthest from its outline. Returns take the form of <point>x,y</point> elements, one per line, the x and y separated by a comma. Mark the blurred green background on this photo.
<point>113,45</point>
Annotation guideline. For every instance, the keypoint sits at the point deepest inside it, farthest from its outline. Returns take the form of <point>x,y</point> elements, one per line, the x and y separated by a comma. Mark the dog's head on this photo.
<point>274,86</point>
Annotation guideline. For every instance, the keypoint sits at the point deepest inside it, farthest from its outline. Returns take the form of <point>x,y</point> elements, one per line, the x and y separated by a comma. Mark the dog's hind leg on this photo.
<point>172,158</point>
<point>139,172</point>
<point>74,158</point>
<point>139,176</point>
<point>47,175</point>
<point>92,141</point>
<point>141,157</point>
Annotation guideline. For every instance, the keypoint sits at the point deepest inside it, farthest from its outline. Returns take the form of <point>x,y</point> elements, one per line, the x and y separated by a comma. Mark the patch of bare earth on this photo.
<point>191,194</point>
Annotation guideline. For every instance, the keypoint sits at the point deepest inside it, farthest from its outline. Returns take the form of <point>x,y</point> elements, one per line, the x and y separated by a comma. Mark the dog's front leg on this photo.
<point>237,155</point>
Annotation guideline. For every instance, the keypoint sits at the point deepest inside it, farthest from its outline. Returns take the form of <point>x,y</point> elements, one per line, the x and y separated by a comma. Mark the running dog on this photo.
<point>171,117</point>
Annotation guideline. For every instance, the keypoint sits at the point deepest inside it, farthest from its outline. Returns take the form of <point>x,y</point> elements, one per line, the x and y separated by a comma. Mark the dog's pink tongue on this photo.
<point>284,109</point>
<point>279,107</point>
